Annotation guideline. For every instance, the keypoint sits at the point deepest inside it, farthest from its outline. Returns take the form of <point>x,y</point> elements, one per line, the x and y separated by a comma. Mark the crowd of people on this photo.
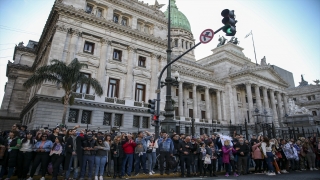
<point>81,153</point>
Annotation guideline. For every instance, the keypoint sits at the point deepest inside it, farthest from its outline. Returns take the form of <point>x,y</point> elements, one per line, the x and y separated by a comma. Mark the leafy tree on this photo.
<point>69,77</point>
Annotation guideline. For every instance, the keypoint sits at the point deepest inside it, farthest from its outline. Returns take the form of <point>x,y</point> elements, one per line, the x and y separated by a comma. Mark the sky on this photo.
<point>287,32</point>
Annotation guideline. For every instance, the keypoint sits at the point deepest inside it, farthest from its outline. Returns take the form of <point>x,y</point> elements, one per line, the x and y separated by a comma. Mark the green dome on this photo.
<point>178,19</point>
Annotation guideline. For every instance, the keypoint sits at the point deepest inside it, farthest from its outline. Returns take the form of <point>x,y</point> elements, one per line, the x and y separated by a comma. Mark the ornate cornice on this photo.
<point>81,14</point>
<point>11,66</point>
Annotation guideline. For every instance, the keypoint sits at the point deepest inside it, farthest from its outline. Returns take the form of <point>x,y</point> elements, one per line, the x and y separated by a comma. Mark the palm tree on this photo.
<point>68,77</point>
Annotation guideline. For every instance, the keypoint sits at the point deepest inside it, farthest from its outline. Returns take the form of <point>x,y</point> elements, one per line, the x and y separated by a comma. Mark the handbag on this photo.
<point>207,159</point>
<point>278,154</point>
<point>149,150</point>
<point>2,151</point>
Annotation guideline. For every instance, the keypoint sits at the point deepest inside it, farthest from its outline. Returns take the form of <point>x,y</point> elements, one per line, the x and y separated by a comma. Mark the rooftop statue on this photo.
<point>234,40</point>
<point>222,40</point>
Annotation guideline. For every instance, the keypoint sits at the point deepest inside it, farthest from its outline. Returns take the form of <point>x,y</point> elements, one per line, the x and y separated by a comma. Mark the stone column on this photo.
<point>219,105</point>
<point>180,98</point>
<point>206,94</point>
<point>60,40</point>
<point>195,102</point>
<point>129,78</point>
<point>224,112</point>
<point>249,96</point>
<point>185,98</point>
<point>274,109</point>
<point>102,65</point>
<point>279,106</point>
<point>154,77</point>
<point>265,98</point>
<point>73,45</point>
<point>258,98</point>
<point>285,103</point>
<point>235,104</point>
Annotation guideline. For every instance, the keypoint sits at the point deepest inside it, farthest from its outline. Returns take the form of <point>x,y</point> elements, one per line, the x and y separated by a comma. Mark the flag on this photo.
<point>248,34</point>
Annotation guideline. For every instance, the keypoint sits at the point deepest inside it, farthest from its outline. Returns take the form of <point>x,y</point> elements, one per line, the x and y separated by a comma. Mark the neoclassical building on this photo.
<point>124,45</point>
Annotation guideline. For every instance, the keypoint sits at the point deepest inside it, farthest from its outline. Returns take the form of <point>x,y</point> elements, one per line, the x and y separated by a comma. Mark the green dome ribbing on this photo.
<point>178,19</point>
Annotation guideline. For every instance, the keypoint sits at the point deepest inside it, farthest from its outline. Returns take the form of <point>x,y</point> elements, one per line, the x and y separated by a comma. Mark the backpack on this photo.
<point>172,163</point>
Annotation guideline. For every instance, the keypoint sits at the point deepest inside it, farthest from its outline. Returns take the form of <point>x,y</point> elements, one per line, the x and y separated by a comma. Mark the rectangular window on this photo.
<point>142,61</point>
<point>118,120</point>
<point>86,117</point>
<point>88,47</point>
<point>314,113</point>
<point>107,119</point>
<point>124,21</point>
<point>136,121</point>
<point>147,29</point>
<point>246,99</point>
<point>191,113</point>
<point>73,116</point>
<point>201,131</point>
<point>139,26</point>
<point>31,114</point>
<point>145,122</point>
<point>83,87</point>
<point>176,43</point>
<point>177,92</point>
<point>89,8</point>
<point>254,101</point>
<point>203,115</point>
<point>113,89</point>
<point>190,95</point>
<point>202,97</point>
<point>178,129</point>
<point>140,92</point>
<point>238,97</point>
<point>187,130</point>
<point>186,45</point>
<point>176,111</point>
<point>115,18</point>
<point>117,55</point>
<point>295,99</point>
<point>182,43</point>
<point>190,45</point>
<point>99,12</point>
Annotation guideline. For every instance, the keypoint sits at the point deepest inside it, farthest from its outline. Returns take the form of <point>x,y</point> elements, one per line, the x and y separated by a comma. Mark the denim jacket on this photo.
<point>47,146</point>
<point>166,146</point>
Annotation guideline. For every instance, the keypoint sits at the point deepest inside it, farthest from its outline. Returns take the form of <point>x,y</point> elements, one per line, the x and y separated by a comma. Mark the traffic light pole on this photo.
<point>158,91</point>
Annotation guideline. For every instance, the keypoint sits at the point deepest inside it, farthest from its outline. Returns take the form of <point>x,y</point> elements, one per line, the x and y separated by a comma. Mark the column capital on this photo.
<point>153,56</point>
<point>193,84</point>
<point>248,83</point>
<point>271,90</point>
<point>131,48</point>
<point>234,86</point>
<point>105,41</point>
<point>255,85</point>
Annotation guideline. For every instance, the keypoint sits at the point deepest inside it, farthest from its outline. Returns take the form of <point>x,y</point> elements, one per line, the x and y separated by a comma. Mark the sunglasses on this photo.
<point>45,136</point>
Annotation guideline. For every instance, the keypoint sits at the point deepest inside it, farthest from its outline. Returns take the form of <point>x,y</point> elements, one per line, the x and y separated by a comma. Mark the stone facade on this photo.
<point>124,45</point>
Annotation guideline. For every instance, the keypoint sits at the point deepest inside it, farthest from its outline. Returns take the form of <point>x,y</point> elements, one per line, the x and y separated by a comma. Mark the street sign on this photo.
<point>206,36</point>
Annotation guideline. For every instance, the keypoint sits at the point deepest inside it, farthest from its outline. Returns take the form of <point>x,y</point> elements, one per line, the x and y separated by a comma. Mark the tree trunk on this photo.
<point>65,108</point>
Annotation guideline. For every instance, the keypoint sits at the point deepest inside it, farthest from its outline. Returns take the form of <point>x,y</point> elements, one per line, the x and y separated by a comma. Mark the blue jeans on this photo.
<point>127,158</point>
<point>248,162</point>
<point>140,159</point>
<point>90,159</point>
<point>269,160</point>
<point>73,159</point>
<point>151,160</point>
<point>100,162</point>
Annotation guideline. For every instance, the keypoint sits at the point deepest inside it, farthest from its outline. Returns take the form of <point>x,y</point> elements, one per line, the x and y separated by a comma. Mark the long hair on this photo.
<point>266,140</point>
<point>24,140</point>
<point>60,141</point>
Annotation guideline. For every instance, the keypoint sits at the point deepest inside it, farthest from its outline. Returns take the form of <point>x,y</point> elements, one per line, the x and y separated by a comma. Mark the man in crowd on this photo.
<point>242,152</point>
<point>166,150</point>
<point>88,155</point>
<point>140,156</point>
<point>185,148</point>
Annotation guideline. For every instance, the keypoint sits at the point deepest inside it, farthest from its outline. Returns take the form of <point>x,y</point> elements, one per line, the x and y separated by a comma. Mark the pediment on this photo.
<point>116,67</point>
<point>145,74</point>
<point>269,74</point>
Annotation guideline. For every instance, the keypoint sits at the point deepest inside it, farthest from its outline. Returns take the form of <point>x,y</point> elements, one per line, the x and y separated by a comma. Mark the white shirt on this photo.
<point>266,149</point>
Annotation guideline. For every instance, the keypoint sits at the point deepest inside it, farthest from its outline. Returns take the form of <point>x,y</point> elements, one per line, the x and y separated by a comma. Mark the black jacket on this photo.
<point>116,148</point>
<point>243,148</point>
<point>88,143</point>
<point>182,148</point>
<point>69,150</point>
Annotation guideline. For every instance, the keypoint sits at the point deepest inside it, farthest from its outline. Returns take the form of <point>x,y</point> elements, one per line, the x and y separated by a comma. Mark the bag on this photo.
<point>2,151</point>
<point>149,150</point>
<point>172,163</point>
<point>207,159</point>
<point>50,168</point>
<point>262,155</point>
<point>231,157</point>
<point>278,154</point>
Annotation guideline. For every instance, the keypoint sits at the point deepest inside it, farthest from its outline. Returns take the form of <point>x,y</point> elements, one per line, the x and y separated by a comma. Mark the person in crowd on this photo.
<point>203,151</point>
<point>23,131</point>
<point>176,140</point>
<point>25,155</point>
<point>55,133</point>
<point>140,156</point>
<point>74,153</point>
<point>318,153</point>
<point>228,158</point>
<point>242,152</point>
<point>310,155</point>
<point>257,155</point>
<point>166,150</point>
<point>108,139</point>
<point>151,154</point>
<point>284,163</point>
<point>249,156</point>
<point>88,155</point>
<point>128,146</point>
<point>57,155</point>
<point>267,152</point>
<point>276,155</point>
<point>101,157</point>
<point>214,157</point>
<point>185,148</point>
<point>117,154</point>
<point>11,157</point>
<point>42,149</point>
<point>219,153</point>
<point>194,156</point>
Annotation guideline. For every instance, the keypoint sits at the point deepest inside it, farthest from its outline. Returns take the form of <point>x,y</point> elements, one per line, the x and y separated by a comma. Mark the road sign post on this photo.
<point>206,36</point>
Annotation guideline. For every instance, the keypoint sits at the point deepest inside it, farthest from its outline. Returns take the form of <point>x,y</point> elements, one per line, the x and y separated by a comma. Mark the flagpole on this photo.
<point>254,48</point>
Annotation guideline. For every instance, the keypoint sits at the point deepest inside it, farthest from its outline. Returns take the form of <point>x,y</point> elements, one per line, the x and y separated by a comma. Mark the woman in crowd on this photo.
<point>57,156</point>
<point>275,155</point>
<point>11,157</point>
<point>117,154</point>
<point>101,157</point>
<point>228,158</point>
<point>42,149</point>
<point>25,155</point>
<point>109,161</point>
<point>203,151</point>
<point>152,146</point>
<point>194,156</point>
<point>257,156</point>
<point>214,157</point>
<point>310,155</point>
<point>52,137</point>
<point>267,152</point>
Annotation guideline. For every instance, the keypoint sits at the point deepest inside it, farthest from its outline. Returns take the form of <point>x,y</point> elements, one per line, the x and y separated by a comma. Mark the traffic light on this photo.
<point>155,120</point>
<point>229,21</point>
<point>152,106</point>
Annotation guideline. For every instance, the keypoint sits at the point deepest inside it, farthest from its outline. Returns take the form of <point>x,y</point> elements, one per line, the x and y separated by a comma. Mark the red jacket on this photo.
<point>128,148</point>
